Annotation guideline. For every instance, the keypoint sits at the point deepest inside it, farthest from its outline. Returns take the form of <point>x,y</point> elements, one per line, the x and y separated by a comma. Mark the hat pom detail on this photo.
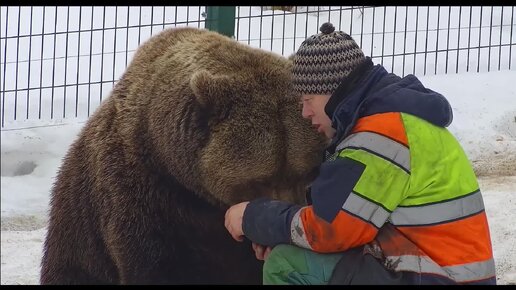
<point>327,28</point>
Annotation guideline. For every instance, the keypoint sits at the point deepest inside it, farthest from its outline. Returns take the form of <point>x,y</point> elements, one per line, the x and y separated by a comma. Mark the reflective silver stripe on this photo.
<point>382,145</point>
<point>472,271</point>
<point>297,232</point>
<point>365,209</point>
<point>461,273</point>
<point>439,212</point>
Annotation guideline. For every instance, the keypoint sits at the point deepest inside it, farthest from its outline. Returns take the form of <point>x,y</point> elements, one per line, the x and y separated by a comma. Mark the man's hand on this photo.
<point>261,252</point>
<point>233,220</point>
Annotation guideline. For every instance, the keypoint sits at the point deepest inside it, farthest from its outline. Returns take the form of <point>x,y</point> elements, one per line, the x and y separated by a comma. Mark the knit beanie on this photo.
<point>323,60</point>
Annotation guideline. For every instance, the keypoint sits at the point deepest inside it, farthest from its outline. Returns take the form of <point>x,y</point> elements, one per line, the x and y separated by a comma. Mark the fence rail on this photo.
<point>58,63</point>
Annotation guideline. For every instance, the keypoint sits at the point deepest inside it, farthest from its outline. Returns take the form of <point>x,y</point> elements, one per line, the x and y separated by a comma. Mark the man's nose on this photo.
<point>307,113</point>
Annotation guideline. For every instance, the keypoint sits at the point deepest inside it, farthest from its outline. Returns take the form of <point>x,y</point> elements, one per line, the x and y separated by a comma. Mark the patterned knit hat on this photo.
<point>324,60</point>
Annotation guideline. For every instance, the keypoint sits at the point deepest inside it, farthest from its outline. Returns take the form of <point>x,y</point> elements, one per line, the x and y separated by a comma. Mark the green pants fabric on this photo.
<point>288,264</point>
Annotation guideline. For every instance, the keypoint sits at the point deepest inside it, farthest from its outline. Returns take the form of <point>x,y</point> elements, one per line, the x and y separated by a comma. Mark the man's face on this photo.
<point>313,109</point>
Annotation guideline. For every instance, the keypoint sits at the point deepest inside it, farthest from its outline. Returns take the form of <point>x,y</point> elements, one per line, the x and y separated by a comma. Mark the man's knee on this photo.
<point>282,262</point>
<point>280,256</point>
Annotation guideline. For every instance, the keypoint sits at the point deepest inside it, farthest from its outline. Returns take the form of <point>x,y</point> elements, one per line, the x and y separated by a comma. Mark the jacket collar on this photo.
<point>370,90</point>
<point>344,105</point>
<point>347,85</point>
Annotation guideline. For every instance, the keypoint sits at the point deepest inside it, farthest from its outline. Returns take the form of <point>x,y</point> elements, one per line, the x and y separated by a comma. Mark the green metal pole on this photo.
<point>221,19</point>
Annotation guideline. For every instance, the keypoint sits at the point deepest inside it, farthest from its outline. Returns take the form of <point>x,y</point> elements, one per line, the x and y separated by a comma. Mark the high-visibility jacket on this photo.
<point>398,183</point>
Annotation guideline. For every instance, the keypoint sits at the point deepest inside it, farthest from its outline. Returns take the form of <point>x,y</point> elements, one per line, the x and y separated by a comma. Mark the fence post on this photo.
<point>221,19</point>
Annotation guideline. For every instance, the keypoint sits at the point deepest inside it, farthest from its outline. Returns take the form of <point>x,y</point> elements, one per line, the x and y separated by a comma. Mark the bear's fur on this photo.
<point>198,122</point>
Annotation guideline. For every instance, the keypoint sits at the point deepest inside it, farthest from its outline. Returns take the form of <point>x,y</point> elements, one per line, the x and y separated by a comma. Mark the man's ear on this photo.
<point>211,91</point>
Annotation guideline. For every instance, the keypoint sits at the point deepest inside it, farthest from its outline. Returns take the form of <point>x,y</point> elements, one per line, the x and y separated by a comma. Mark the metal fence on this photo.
<point>58,63</point>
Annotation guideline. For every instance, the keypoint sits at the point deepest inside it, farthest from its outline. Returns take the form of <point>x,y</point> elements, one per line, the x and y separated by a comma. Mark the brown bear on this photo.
<point>197,122</point>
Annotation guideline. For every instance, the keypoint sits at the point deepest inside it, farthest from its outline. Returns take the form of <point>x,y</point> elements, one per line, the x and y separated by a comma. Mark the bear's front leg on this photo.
<point>141,252</point>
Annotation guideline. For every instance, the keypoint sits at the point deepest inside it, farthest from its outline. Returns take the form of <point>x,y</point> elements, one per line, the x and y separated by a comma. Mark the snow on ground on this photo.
<point>484,121</point>
<point>30,158</point>
<point>21,256</point>
<point>500,202</point>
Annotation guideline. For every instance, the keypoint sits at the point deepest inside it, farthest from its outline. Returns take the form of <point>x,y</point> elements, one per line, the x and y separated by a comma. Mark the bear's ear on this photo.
<point>210,90</point>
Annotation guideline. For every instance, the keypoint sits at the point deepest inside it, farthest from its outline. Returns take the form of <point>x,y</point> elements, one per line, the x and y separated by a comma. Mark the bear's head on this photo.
<point>223,118</point>
<point>259,144</point>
